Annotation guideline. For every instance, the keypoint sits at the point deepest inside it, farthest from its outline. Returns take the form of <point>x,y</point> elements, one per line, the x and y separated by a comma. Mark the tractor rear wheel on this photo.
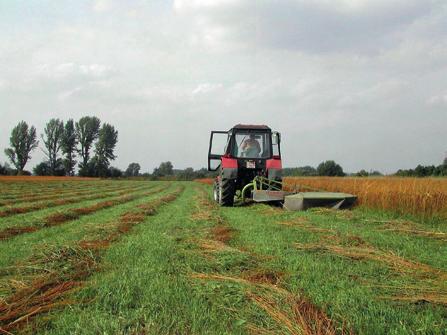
<point>226,192</point>
<point>216,191</point>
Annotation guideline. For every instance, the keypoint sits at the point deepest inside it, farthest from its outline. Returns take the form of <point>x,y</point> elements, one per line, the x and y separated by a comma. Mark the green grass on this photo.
<point>174,273</point>
<point>20,247</point>
<point>346,287</point>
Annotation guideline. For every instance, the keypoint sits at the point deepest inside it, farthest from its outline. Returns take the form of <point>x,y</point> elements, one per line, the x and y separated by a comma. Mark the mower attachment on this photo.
<point>265,190</point>
<point>267,195</point>
<point>305,200</point>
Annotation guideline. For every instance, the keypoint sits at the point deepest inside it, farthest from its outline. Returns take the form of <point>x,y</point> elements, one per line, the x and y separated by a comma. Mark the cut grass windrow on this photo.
<point>431,282</point>
<point>58,193</point>
<point>411,228</point>
<point>31,189</point>
<point>69,268</point>
<point>72,200</point>
<point>73,214</point>
<point>293,313</point>
<point>37,193</point>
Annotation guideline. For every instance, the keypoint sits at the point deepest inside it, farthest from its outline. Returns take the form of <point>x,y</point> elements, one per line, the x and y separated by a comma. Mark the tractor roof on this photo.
<point>251,126</point>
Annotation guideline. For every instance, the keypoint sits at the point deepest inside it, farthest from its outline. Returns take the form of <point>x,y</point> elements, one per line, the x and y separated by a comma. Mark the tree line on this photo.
<point>165,171</point>
<point>332,169</point>
<point>425,171</point>
<point>326,168</point>
<point>62,144</point>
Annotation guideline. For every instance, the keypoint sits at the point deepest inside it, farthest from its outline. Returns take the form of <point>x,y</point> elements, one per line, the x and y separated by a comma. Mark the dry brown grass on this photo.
<point>222,233</point>
<point>301,317</point>
<point>11,232</point>
<point>47,291</point>
<point>303,223</point>
<point>20,210</point>
<point>263,276</point>
<point>295,314</point>
<point>419,196</point>
<point>77,212</point>
<point>72,200</point>
<point>59,193</point>
<point>207,181</point>
<point>412,228</point>
<point>398,263</point>
<point>431,282</point>
<point>58,218</point>
<point>43,178</point>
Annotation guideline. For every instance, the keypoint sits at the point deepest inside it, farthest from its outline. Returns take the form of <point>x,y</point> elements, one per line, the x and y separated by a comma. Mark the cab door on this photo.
<point>217,148</point>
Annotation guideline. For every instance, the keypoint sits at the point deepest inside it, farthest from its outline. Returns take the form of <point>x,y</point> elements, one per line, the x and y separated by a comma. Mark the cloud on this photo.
<point>309,26</point>
<point>206,88</point>
<point>438,100</point>
<point>67,94</point>
<point>70,70</point>
<point>102,5</point>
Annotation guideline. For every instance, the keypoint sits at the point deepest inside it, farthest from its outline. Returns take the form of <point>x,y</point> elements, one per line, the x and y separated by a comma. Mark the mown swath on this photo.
<point>34,207</point>
<point>58,193</point>
<point>50,291</point>
<point>60,218</point>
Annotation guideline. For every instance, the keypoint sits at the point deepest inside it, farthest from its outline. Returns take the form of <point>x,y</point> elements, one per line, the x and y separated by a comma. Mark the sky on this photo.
<point>362,82</point>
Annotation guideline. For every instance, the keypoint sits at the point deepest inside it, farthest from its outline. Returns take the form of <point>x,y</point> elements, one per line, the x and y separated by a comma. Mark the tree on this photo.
<point>300,171</point>
<point>362,173</point>
<point>114,172</point>
<point>87,131</point>
<point>165,169</point>
<point>23,141</point>
<point>104,149</point>
<point>3,170</point>
<point>52,140</point>
<point>133,170</point>
<point>330,168</point>
<point>42,169</point>
<point>187,174</point>
<point>69,143</point>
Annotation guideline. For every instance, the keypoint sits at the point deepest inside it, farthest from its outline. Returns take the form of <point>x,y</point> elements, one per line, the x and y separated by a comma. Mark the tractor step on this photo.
<point>305,200</point>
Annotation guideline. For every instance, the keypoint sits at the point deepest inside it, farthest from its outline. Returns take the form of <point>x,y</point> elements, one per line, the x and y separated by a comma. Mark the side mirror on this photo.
<point>276,138</point>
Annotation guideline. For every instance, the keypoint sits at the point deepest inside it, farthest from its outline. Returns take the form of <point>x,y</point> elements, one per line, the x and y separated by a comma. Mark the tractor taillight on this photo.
<point>229,163</point>
<point>274,163</point>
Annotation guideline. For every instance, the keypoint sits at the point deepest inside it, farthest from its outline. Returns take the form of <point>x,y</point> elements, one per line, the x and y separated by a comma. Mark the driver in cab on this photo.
<point>251,147</point>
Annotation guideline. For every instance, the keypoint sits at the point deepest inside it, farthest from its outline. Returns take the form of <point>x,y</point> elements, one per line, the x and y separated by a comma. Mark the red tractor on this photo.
<point>247,157</point>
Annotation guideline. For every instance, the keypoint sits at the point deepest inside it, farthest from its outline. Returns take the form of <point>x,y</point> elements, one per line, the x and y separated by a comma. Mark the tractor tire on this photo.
<point>226,192</point>
<point>216,192</point>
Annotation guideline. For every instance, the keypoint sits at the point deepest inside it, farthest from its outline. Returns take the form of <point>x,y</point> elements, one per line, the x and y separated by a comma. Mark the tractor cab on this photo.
<point>241,154</point>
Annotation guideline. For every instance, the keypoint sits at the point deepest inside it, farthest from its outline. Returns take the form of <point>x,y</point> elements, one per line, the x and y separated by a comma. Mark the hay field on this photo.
<point>137,257</point>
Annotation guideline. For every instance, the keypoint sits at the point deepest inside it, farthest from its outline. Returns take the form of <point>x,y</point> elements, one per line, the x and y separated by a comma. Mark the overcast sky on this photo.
<point>363,82</point>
